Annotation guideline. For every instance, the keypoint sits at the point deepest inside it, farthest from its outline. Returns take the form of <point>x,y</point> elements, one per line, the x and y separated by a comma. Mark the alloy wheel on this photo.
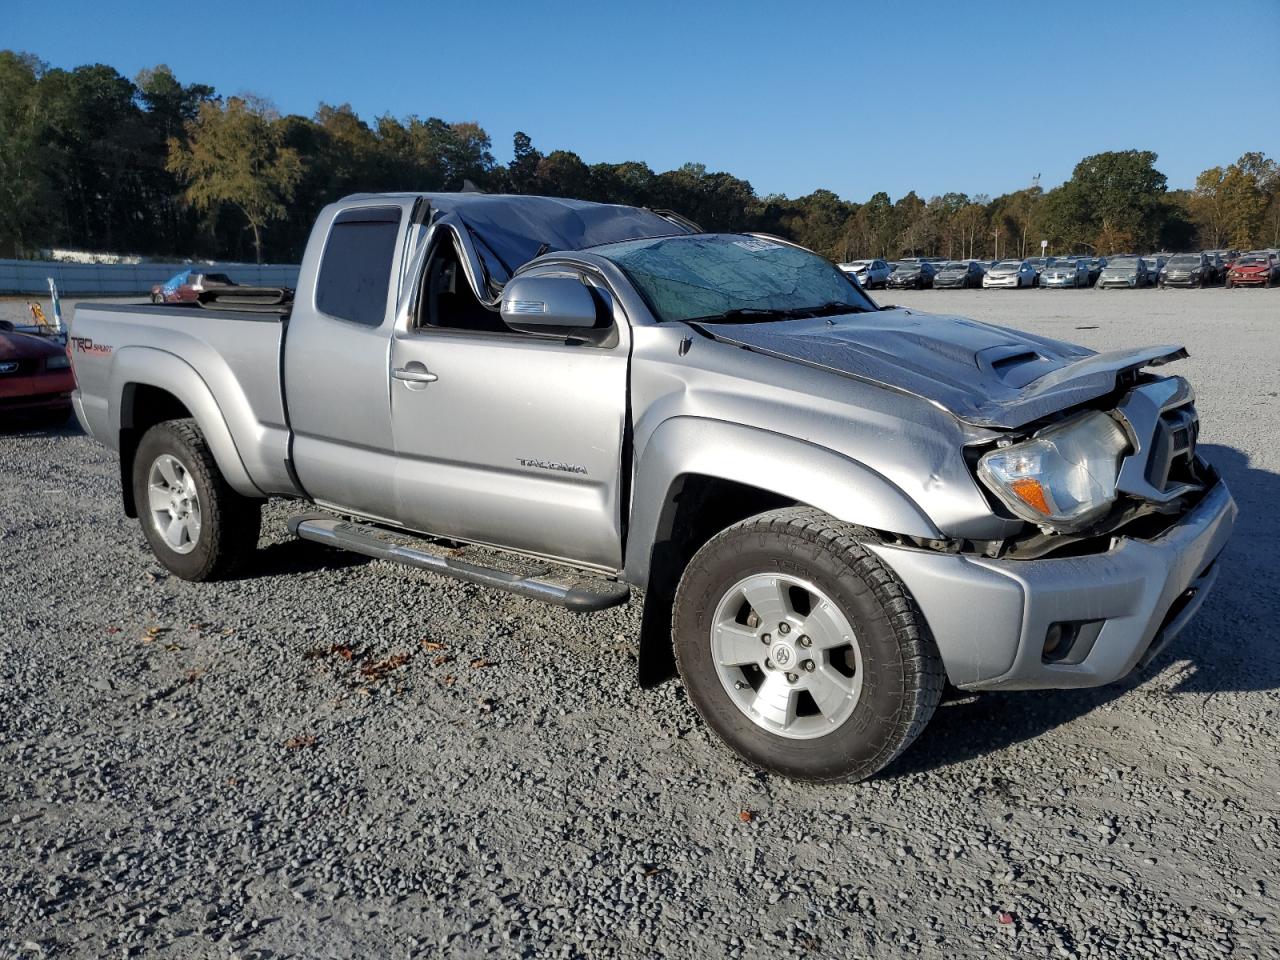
<point>174,503</point>
<point>786,655</point>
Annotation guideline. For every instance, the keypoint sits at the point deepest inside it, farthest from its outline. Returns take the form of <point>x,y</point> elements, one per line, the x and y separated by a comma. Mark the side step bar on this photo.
<point>579,592</point>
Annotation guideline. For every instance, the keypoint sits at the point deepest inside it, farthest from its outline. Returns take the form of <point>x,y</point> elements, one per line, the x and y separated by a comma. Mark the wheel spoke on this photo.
<point>166,466</point>
<point>173,532</point>
<point>827,627</point>
<point>736,645</point>
<point>776,701</point>
<point>768,598</point>
<point>829,689</point>
<point>157,498</point>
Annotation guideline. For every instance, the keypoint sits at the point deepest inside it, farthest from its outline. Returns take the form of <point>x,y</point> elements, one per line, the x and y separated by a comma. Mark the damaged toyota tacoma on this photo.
<point>831,507</point>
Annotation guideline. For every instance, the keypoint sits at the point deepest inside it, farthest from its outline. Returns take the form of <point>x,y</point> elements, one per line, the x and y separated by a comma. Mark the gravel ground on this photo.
<point>334,757</point>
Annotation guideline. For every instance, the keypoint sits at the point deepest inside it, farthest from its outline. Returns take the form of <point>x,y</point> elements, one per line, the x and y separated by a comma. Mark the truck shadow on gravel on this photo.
<point>34,426</point>
<point>1231,647</point>
<point>297,556</point>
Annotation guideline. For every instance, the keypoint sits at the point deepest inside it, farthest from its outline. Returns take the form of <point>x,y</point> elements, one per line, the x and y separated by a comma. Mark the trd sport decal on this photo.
<point>85,345</point>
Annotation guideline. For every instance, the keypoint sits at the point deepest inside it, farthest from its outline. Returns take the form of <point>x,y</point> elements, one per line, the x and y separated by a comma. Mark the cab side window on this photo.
<point>355,270</point>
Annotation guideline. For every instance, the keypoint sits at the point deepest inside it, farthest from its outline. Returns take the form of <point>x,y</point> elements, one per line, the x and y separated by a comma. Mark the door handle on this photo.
<point>414,376</point>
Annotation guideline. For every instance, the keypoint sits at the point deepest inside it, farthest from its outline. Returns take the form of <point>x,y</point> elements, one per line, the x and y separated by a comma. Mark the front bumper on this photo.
<point>990,618</point>
<point>1000,281</point>
<point>1059,282</point>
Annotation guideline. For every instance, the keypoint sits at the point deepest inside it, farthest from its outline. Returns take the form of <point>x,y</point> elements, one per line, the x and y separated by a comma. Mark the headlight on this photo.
<point>1064,477</point>
<point>58,362</point>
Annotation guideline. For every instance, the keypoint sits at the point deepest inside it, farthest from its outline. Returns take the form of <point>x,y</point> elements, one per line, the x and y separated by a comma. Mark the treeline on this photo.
<point>91,160</point>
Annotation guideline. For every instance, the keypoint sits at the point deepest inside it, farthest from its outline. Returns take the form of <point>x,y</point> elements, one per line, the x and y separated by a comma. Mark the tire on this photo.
<point>881,681</point>
<point>174,458</point>
<point>1228,284</point>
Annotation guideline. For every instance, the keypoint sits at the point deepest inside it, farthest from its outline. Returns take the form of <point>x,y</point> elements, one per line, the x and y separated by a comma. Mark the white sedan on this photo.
<point>869,273</point>
<point>1010,273</point>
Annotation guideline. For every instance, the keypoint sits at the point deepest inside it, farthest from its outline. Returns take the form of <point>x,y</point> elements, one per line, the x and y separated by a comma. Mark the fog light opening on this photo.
<point>1069,641</point>
<point>1058,641</point>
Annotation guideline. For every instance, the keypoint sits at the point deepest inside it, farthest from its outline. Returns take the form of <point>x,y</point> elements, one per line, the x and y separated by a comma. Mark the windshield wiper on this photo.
<point>743,314</point>
<point>763,315</point>
<point>830,308</point>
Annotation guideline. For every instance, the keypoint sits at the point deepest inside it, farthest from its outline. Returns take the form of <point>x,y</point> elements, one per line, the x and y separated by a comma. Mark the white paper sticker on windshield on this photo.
<point>756,245</point>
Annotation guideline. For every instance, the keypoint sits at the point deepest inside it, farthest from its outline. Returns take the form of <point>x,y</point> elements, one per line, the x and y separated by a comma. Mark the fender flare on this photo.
<point>788,466</point>
<point>148,366</point>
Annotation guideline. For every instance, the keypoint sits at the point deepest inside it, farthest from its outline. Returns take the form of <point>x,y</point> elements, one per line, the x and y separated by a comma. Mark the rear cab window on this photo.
<point>355,270</point>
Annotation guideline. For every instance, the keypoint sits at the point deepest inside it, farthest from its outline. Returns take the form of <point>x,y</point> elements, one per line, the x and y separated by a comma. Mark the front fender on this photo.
<point>783,465</point>
<point>158,368</point>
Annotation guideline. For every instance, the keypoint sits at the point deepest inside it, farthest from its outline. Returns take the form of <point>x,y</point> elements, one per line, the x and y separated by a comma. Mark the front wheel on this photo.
<point>802,650</point>
<point>195,524</point>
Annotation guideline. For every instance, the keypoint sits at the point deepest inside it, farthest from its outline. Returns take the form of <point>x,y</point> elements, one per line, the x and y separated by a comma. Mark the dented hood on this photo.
<point>983,374</point>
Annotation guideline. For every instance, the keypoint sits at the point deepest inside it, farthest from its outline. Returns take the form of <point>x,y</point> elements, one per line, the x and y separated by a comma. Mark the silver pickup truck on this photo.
<point>831,507</point>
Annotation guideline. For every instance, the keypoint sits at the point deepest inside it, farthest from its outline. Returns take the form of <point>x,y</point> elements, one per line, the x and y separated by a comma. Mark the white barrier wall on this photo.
<point>128,279</point>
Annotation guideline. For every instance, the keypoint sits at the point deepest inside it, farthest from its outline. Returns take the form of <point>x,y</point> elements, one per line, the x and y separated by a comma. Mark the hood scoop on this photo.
<point>982,374</point>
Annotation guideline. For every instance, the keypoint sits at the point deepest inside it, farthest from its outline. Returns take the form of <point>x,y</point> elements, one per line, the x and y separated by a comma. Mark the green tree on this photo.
<point>171,104</point>
<point>1245,192</point>
<point>561,173</point>
<point>26,184</point>
<point>236,157</point>
<point>1122,194</point>
<point>522,171</point>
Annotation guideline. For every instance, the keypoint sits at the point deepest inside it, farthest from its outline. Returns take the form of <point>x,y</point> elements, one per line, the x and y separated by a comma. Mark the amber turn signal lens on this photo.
<point>1032,494</point>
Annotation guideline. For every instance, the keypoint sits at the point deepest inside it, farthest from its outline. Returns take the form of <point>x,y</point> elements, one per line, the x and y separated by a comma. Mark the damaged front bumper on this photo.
<point>1066,622</point>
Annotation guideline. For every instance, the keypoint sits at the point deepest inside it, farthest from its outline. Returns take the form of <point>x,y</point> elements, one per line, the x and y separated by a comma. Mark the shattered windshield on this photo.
<point>733,277</point>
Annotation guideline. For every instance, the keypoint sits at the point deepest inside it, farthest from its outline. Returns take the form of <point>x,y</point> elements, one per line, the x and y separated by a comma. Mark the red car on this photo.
<point>186,287</point>
<point>35,378</point>
<point>1253,270</point>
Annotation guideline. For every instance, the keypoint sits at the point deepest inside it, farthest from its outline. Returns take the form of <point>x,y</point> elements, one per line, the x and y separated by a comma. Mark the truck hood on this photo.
<point>982,374</point>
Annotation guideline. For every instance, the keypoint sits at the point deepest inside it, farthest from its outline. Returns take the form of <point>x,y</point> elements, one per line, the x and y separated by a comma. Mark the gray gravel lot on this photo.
<point>334,757</point>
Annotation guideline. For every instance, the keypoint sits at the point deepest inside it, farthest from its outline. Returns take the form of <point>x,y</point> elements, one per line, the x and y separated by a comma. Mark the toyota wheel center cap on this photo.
<point>783,655</point>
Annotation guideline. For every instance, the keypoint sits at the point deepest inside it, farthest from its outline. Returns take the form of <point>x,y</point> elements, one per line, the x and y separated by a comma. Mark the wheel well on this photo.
<point>697,508</point>
<point>142,406</point>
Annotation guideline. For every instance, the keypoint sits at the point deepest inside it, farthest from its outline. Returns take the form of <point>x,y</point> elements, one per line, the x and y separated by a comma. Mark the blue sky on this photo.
<point>855,97</point>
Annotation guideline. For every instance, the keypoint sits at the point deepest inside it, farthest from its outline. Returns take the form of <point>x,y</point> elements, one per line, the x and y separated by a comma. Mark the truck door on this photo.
<point>506,438</point>
<point>335,367</point>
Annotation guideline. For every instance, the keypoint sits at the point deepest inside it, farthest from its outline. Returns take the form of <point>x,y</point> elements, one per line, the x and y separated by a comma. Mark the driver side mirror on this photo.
<point>556,306</point>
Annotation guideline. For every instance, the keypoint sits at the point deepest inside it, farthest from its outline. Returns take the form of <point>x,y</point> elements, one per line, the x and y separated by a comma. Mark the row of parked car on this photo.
<point>1228,267</point>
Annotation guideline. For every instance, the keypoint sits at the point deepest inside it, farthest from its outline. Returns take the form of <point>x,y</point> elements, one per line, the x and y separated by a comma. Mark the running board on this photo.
<point>579,592</point>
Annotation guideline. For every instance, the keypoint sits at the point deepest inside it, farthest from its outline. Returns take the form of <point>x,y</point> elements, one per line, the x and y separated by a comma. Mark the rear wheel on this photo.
<point>801,650</point>
<point>195,524</point>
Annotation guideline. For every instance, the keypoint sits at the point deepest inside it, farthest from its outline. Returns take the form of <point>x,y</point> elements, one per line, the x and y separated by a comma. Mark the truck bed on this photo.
<point>227,361</point>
